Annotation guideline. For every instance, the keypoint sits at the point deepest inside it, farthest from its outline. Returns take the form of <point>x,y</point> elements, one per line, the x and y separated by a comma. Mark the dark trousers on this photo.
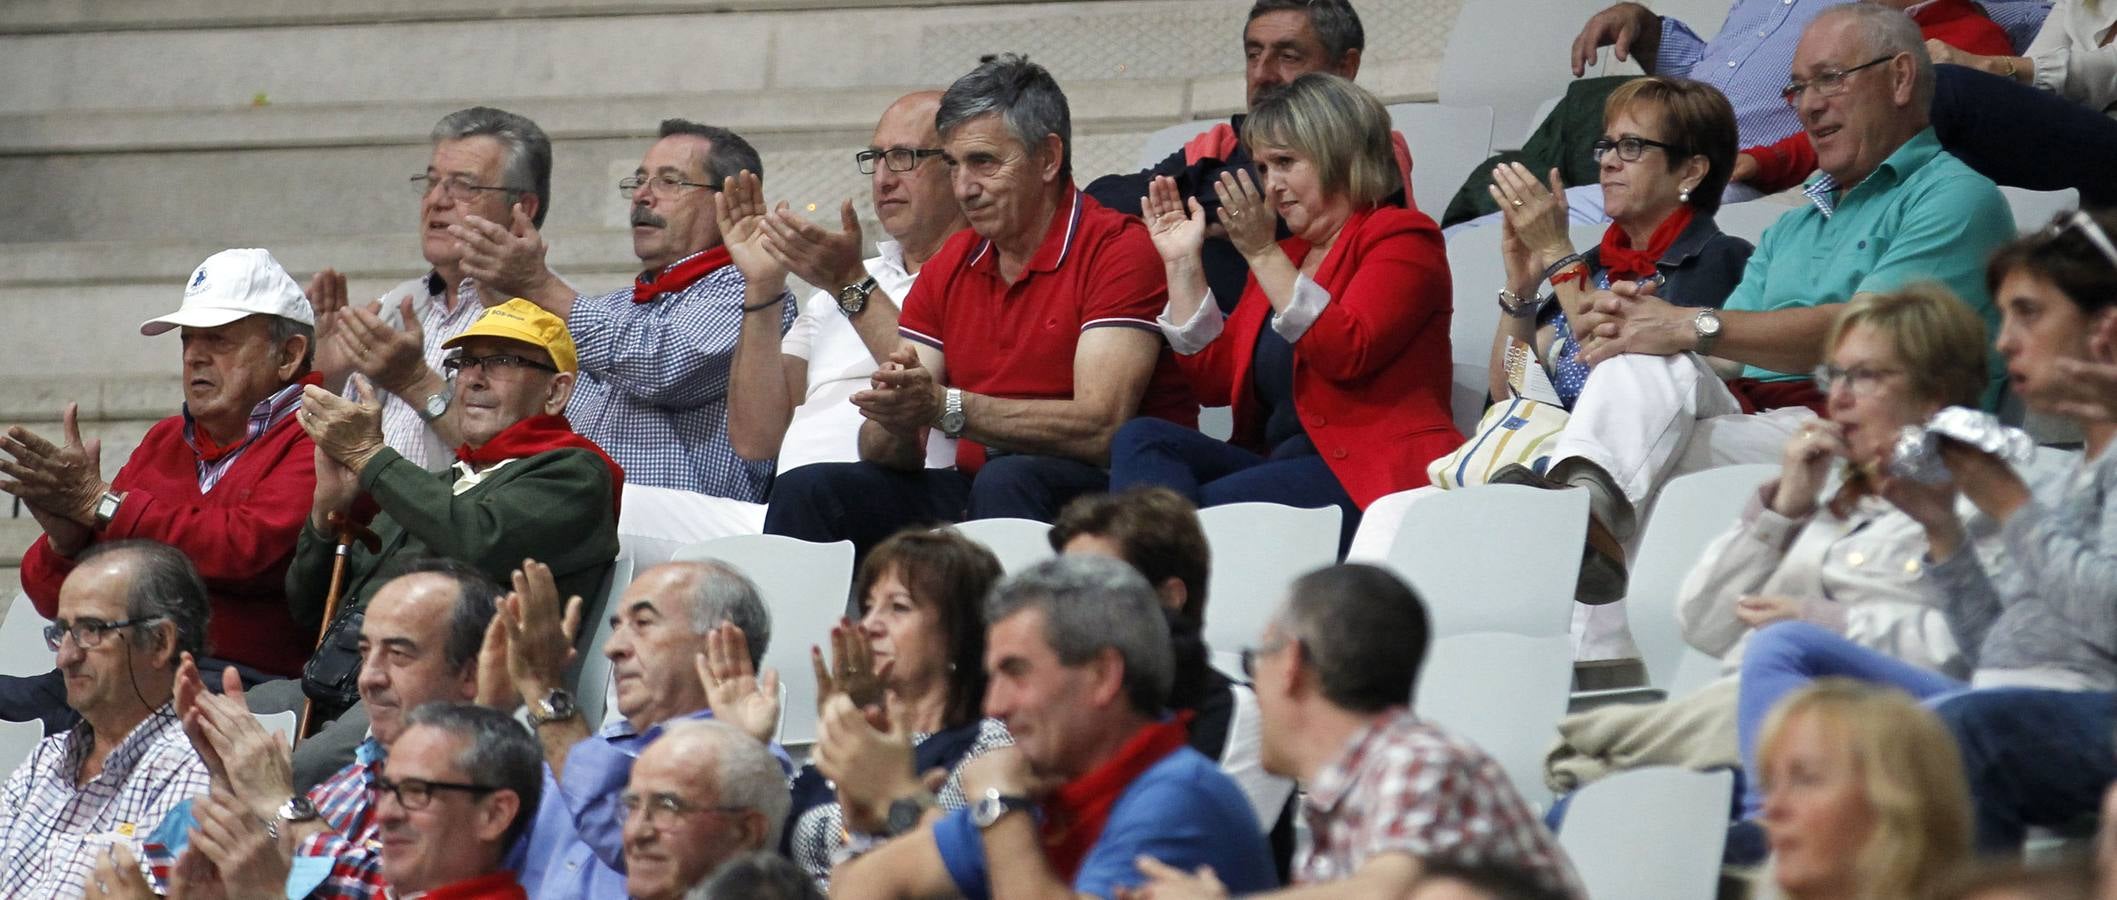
<point>2033,758</point>
<point>866,503</point>
<point>2024,137</point>
<point>43,697</point>
<point>1213,472</point>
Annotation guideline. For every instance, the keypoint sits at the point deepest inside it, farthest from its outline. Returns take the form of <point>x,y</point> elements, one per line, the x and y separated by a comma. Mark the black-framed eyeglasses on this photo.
<point>417,793</point>
<point>664,810</point>
<point>1629,148</point>
<point>1828,84</point>
<point>1860,380</point>
<point>665,184</point>
<point>898,159</point>
<point>456,187</point>
<point>1250,655</point>
<point>498,362</point>
<point>2088,228</point>
<point>88,633</point>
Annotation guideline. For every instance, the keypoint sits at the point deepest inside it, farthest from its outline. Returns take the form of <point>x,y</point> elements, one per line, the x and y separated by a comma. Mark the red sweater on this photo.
<point>240,536</point>
<point>1372,375</point>
<point>1957,23</point>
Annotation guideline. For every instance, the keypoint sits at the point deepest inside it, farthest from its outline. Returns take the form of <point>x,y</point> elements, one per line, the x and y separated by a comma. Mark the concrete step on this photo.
<point>94,16</point>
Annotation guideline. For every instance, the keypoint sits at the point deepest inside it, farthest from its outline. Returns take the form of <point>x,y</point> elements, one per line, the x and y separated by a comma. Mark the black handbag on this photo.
<point>332,676</point>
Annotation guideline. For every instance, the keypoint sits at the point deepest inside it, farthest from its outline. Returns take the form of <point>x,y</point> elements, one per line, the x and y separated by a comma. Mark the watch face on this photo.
<point>298,809</point>
<point>987,811</point>
<point>952,423</point>
<point>904,815</point>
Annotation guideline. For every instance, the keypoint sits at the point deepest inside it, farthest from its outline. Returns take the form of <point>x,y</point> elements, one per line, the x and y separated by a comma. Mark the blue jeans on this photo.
<point>1213,472</point>
<point>1784,657</point>
<point>865,503</point>
<point>2032,757</point>
<point>2024,137</point>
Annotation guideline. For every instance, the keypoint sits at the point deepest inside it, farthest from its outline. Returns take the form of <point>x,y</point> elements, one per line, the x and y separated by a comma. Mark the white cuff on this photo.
<point>1192,336</point>
<point>1309,300</point>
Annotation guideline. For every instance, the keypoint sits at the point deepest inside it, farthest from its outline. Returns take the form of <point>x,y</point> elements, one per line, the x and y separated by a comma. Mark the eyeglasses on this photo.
<point>498,362</point>
<point>665,810</point>
<point>666,184</point>
<point>1827,84</point>
<point>898,159</point>
<point>1250,655</point>
<point>2088,228</point>
<point>1629,148</point>
<point>455,187</point>
<point>1862,381</point>
<point>417,793</point>
<point>88,633</point>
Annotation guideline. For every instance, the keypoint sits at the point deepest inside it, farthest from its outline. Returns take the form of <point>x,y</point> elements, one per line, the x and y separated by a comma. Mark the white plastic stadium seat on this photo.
<point>22,650</point>
<point>1258,550</point>
<point>282,723</point>
<point>1508,55</point>
<point>805,586</point>
<point>17,741</point>
<point>1692,511</point>
<point>1446,142</point>
<point>1673,817</point>
<point>2034,209</point>
<point>1475,274</point>
<point>1504,693</point>
<point>1496,557</point>
<point>594,691</point>
<point>1019,543</point>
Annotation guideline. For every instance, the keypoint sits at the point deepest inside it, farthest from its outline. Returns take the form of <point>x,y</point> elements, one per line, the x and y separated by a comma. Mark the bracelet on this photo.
<point>2011,68</point>
<point>1522,307</point>
<point>1560,266</point>
<point>1576,272</point>
<point>761,307</point>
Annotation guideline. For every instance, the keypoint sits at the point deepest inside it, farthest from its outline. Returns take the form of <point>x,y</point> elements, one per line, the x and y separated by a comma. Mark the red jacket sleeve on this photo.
<point>1971,34</point>
<point>1399,285</point>
<point>1784,164</point>
<point>238,542</point>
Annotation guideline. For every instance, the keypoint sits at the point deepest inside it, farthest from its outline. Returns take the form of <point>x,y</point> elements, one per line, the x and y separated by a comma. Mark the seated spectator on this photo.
<point>1158,534</point>
<point>1386,792</point>
<point>458,791</point>
<point>1864,795</point>
<point>668,617</point>
<point>1336,359</point>
<point>419,640</point>
<point>698,767</point>
<point>757,876</point>
<point>790,396</point>
<point>2039,752</point>
<point>1894,209</point>
<point>487,164</point>
<point>524,484</point>
<point>655,356</point>
<point>917,659</point>
<point>129,610</point>
<point>1281,41</point>
<point>1079,662</point>
<point>1032,333</point>
<point>1819,543</point>
<point>247,343</point>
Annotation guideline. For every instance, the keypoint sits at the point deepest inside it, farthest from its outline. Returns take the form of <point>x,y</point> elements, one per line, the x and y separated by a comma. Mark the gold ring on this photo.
<point>1517,204</point>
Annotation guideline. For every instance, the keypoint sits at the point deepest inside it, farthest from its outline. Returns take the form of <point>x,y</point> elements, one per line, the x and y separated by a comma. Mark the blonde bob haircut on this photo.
<point>1939,340</point>
<point>1339,126</point>
<point>1908,769</point>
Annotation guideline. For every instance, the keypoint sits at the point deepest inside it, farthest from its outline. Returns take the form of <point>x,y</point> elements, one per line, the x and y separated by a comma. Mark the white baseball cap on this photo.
<point>232,284</point>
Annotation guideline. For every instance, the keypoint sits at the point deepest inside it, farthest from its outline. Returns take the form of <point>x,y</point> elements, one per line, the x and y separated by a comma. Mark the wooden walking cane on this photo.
<point>348,532</point>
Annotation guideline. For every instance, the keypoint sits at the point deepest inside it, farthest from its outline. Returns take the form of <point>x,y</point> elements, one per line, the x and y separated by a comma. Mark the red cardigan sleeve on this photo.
<point>1397,286</point>
<point>1784,164</point>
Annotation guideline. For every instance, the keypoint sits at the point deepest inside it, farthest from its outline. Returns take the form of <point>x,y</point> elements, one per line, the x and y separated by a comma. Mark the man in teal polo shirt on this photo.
<point>1676,389</point>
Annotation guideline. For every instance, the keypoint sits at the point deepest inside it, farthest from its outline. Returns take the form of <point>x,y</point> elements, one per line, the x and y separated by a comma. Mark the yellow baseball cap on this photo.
<point>521,320</point>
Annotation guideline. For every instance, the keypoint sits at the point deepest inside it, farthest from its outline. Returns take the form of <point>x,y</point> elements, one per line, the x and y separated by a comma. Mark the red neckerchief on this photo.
<point>210,451</point>
<point>538,434</point>
<point>1075,813</point>
<point>500,885</point>
<point>1627,264</point>
<point>679,276</point>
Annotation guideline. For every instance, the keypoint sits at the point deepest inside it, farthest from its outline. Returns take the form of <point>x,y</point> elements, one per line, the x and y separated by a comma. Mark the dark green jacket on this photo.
<point>554,507</point>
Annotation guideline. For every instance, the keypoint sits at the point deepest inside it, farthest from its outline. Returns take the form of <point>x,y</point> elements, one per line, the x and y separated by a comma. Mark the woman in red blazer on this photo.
<point>1336,359</point>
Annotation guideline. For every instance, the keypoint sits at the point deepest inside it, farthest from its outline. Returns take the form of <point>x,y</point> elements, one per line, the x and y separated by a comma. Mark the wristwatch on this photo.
<point>852,298</point>
<point>952,420</point>
<point>107,509</point>
<point>991,807</point>
<point>296,810</point>
<point>1706,325</point>
<point>434,407</point>
<point>557,706</point>
<point>1521,307</point>
<point>905,813</point>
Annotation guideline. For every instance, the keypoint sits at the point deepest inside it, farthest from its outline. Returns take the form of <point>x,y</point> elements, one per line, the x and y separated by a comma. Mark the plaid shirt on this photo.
<point>1404,786</point>
<point>353,841</point>
<point>267,413</point>
<point>52,824</point>
<point>653,388</point>
<point>439,320</point>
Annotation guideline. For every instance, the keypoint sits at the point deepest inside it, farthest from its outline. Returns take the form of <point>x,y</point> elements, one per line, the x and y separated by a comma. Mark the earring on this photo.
<point>1684,196</point>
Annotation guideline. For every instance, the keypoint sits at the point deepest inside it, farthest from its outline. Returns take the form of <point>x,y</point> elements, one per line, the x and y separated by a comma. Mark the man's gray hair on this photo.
<point>1337,27</point>
<point>1022,93</point>
<point>500,753</point>
<point>1090,604</point>
<point>165,586</point>
<point>718,592</point>
<point>527,167</point>
<point>1883,30</point>
<point>728,155</point>
<point>280,328</point>
<point>744,772</point>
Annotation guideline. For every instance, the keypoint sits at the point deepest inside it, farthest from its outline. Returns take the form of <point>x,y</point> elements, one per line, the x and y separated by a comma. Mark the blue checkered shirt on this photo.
<point>653,388</point>
<point>53,826</point>
<point>1752,57</point>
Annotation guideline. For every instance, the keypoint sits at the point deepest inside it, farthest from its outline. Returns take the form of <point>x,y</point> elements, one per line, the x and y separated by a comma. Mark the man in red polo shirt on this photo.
<point>1030,336</point>
<point>227,481</point>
